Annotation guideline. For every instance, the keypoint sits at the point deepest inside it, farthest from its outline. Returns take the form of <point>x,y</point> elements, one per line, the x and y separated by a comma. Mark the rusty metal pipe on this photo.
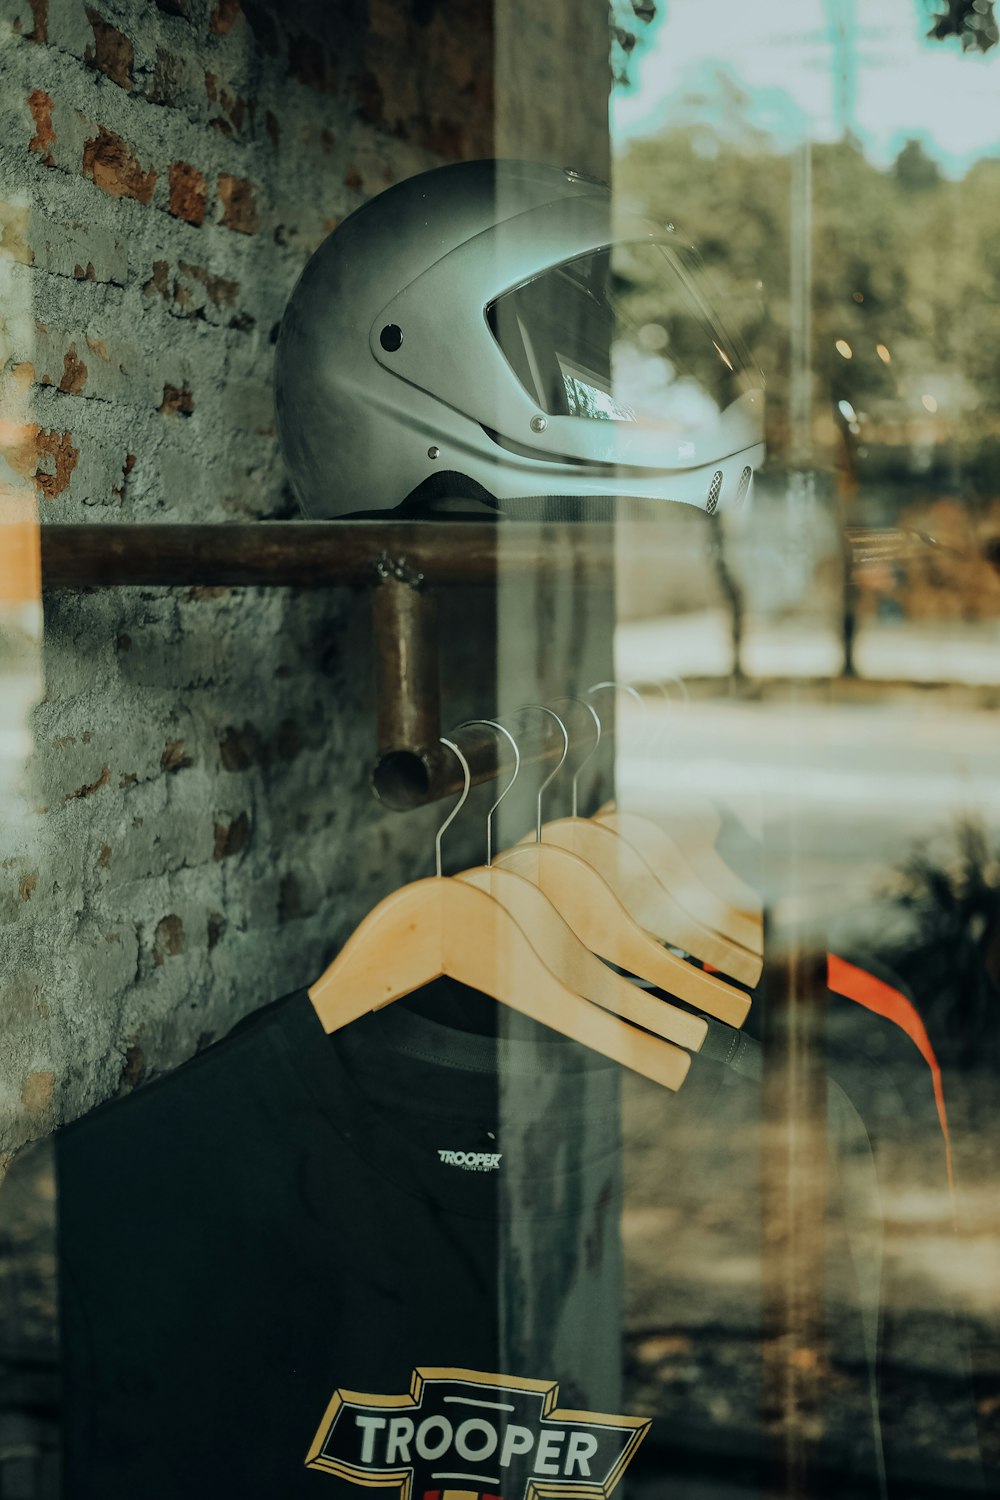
<point>407,679</point>
<point>305,554</point>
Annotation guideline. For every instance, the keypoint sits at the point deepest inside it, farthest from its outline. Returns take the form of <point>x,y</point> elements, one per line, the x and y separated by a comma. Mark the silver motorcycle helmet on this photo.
<point>488,335</point>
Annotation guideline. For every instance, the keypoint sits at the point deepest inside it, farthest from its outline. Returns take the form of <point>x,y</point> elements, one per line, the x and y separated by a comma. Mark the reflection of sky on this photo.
<point>652,386</point>
<point>816,65</point>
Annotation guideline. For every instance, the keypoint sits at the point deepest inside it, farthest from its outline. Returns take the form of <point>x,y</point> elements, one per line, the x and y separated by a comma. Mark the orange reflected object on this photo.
<point>20,557</point>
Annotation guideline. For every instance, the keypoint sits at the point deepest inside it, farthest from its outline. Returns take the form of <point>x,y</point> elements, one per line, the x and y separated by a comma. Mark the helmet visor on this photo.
<point>623,334</point>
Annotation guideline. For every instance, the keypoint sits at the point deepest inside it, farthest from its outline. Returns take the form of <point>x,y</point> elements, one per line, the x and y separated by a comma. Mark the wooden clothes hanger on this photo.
<point>561,948</point>
<point>600,920</point>
<point>442,926</point>
<point>604,925</point>
<point>647,901</point>
<point>701,882</point>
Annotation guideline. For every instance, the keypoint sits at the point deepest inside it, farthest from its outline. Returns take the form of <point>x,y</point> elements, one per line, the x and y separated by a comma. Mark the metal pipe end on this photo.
<point>401,779</point>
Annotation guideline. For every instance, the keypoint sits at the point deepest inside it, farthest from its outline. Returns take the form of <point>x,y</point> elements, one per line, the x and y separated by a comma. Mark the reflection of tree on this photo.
<point>972,21</point>
<point>941,925</point>
<point>627,20</point>
<point>906,292</point>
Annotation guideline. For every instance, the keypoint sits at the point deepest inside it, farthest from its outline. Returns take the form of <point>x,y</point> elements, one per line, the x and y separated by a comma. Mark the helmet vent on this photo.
<point>743,489</point>
<point>714,491</point>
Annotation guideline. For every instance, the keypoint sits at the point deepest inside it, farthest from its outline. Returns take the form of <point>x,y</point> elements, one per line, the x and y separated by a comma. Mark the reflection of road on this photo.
<point>699,644</point>
<point>855,782</point>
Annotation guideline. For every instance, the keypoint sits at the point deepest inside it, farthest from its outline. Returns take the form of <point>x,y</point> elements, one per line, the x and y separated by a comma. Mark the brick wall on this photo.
<point>196,832</point>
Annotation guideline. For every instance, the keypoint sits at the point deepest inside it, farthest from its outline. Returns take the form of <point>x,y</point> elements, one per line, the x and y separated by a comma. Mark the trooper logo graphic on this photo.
<point>486,1435</point>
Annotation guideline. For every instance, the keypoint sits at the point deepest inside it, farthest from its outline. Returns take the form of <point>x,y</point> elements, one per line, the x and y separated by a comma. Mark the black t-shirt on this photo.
<point>410,1257</point>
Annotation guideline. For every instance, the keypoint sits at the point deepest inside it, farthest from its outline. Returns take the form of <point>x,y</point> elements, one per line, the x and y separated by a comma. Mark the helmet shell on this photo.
<point>391,388</point>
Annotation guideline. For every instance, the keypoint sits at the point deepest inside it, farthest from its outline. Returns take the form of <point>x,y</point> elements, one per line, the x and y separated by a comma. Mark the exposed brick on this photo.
<point>177,399</point>
<point>219,289</point>
<point>176,80</point>
<point>195,292</point>
<point>110,369</point>
<point>111,53</point>
<point>353,179</point>
<point>225,16</point>
<point>27,885</point>
<point>74,375</point>
<point>109,162</point>
<point>175,756</point>
<point>104,857</point>
<point>57,460</point>
<point>158,283</point>
<point>134,1070</point>
<point>239,210</point>
<point>309,62</point>
<point>188,192</point>
<point>168,939</point>
<point>215,927</point>
<point>230,838</point>
<point>119,491</point>
<point>240,748</point>
<point>40,103</point>
<point>234,109</point>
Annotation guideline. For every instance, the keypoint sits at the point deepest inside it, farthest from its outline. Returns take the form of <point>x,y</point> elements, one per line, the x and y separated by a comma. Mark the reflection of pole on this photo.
<point>849,618</point>
<point>794,1139</point>
<point>841,15</point>
<point>800,306</point>
<point>793,1192</point>
<point>733,596</point>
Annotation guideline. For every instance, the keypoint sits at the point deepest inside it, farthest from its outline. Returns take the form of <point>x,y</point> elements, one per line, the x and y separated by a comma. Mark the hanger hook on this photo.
<point>598,730</point>
<point>673,677</point>
<point>655,740</point>
<point>617,687</point>
<point>495,724</point>
<point>552,774</point>
<point>458,805</point>
<point>624,687</point>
